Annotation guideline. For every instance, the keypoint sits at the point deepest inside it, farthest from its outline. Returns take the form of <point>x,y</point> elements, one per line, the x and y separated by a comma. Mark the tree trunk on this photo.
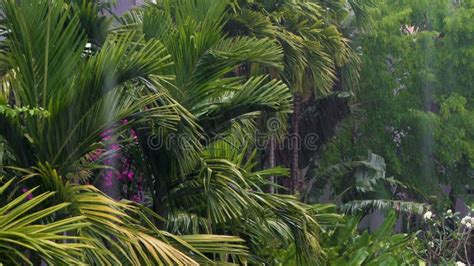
<point>295,142</point>
<point>271,160</point>
<point>271,152</point>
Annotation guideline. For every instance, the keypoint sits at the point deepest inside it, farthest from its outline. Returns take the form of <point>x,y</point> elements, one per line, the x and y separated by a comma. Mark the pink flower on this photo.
<point>133,134</point>
<point>106,134</point>
<point>108,182</point>
<point>108,177</point>
<point>130,175</point>
<point>136,198</point>
<point>29,196</point>
<point>109,173</point>
<point>114,147</point>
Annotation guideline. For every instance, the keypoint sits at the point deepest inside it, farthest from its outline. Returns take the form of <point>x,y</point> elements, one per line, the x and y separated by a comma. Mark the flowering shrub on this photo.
<point>445,238</point>
<point>120,166</point>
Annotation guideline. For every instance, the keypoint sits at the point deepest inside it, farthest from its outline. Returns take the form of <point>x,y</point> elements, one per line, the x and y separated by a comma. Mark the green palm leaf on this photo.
<point>22,230</point>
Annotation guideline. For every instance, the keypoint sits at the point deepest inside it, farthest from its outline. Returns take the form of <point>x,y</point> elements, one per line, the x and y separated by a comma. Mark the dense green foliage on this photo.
<point>135,140</point>
<point>166,72</point>
<point>415,104</point>
<point>345,246</point>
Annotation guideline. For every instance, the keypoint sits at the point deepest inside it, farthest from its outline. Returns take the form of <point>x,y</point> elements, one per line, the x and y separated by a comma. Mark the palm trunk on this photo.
<point>271,160</point>
<point>158,189</point>
<point>295,149</point>
<point>271,152</point>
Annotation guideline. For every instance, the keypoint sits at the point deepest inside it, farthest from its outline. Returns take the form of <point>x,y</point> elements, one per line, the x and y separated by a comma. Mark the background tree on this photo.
<point>416,103</point>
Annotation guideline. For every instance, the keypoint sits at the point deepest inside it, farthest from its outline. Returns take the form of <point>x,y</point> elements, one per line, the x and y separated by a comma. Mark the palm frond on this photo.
<point>360,9</point>
<point>225,195</point>
<point>121,231</point>
<point>22,230</point>
<point>86,93</point>
<point>254,95</point>
<point>357,206</point>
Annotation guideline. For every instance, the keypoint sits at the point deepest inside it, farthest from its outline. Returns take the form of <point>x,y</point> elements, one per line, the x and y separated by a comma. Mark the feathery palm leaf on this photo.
<point>21,230</point>
<point>83,94</point>
<point>225,195</point>
<point>313,49</point>
<point>122,232</point>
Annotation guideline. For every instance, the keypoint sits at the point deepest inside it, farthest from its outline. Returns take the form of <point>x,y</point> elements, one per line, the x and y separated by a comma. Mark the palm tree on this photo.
<point>199,181</point>
<point>203,61</point>
<point>313,50</point>
<point>56,98</point>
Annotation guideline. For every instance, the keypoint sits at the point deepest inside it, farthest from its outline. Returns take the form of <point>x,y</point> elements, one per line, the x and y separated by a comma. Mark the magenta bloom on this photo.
<point>115,147</point>
<point>129,181</point>
<point>130,175</point>
<point>133,134</point>
<point>136,198</point>
<point>108,178</point>
<point>108,181</point>
<point>106,134</point>
<point>29,196</point>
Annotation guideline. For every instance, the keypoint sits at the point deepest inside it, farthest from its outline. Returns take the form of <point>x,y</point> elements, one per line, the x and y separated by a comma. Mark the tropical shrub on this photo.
<point>345,246</point>
<point>445,238</point>
<point>198,182</point>
<point>22,230</point>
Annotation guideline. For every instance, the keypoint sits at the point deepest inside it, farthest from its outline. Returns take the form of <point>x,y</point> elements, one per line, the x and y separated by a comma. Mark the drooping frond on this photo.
<point>22,229</point>
<point>225,195</point>
<point>357,206</point>
<point>121,231</point>
<point>255,95</point>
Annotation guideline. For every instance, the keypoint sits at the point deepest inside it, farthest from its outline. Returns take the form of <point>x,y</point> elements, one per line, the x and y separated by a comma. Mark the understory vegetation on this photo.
<point>237,132</point>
